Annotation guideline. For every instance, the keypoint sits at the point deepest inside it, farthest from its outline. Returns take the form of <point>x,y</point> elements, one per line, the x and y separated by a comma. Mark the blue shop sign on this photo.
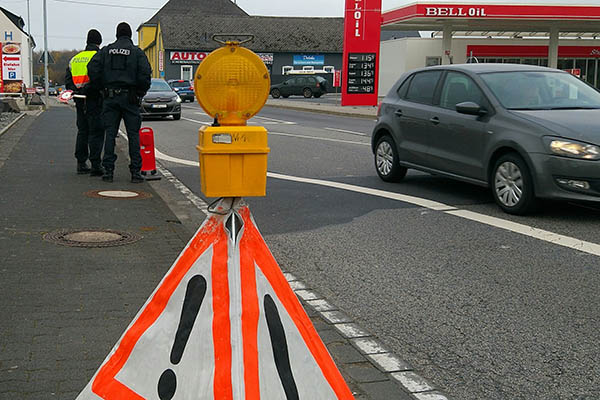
<point>309,59</point>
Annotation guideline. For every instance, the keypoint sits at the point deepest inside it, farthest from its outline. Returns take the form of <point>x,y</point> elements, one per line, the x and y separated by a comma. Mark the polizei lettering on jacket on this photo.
<point>455,12</point>
<point>121,52</point>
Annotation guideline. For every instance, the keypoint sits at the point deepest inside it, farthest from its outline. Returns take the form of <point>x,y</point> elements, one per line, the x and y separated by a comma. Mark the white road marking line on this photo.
<point>369,346</point>
<point>297,285</point>
<point>335,317</point>
<point>540,234</point>
<point>319,138</point>
<point>349,330</point>
<point>390,362</point>
<point>430,396</point>
<point>433,205</point>
<point>196,121</point>
<point>183,189</point>
<point>345,131</point>
<point>546,236</point>
<point>275,120</point>
<point>161,156</point>
<point>321,305</point>
<point>413,382</point>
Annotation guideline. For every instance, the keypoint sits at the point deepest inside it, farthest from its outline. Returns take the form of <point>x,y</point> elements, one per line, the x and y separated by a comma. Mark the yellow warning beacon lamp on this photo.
<point>232,85</point>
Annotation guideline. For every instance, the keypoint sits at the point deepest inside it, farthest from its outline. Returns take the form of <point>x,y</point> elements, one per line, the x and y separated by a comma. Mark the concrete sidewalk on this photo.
<point>63,308</point>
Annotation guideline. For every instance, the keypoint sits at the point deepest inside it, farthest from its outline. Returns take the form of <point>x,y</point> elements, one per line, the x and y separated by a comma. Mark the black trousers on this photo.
<point>90,132</point>
<point>117,108</point>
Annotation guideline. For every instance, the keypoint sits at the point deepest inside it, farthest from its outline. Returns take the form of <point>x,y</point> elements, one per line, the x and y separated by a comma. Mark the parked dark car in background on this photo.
<point>184,89</point>
<point>525,131</point>
<point>161,101</point>
<point>307,86</point>
<point>52,91</point>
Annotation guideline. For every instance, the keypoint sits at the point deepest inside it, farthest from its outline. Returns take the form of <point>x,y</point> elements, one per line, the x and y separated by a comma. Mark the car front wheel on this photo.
<point>177,117</point>
<point>275,93</point>
<point>387,162</point>
<point>512,185</point>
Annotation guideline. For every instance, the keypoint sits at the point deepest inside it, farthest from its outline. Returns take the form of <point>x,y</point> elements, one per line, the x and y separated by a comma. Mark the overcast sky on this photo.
<point>68,23</point>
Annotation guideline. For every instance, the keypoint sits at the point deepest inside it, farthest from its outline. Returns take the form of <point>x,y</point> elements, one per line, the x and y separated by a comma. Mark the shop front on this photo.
<point>182,64</point>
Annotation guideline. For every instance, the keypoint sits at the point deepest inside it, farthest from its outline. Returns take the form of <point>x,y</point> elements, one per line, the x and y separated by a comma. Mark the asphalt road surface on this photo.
<point>484,305</point>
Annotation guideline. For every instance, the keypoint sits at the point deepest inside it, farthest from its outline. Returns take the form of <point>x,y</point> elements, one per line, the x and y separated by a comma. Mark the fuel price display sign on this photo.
<point>362,68</point>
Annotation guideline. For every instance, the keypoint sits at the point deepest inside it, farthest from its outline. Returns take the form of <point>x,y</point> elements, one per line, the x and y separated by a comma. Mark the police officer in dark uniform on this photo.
<point>123,72</point>
<point>90,129</point>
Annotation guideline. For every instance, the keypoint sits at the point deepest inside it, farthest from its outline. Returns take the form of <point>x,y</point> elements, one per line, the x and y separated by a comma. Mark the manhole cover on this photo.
<point>91,238</point>
<point>118,194</point>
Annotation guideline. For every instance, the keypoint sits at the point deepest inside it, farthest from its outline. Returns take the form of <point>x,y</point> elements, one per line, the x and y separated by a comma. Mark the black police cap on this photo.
<point>123,29</point>
<point>94,37</point>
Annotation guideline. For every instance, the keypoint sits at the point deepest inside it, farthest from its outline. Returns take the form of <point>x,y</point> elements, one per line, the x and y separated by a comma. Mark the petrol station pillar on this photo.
<point>447,45</point>
<point>553,48</point>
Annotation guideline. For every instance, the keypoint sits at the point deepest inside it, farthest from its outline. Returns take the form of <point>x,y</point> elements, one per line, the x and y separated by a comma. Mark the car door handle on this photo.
<point>435,120</point>
<point>398,113</point>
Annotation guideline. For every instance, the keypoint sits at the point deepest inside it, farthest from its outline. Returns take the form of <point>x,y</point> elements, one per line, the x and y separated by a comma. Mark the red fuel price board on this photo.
<point>362,31</point>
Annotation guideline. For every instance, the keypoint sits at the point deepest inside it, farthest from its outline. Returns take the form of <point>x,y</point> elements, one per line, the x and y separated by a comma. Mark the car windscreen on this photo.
<point>159,86</point>
<point>541,90</point>
<point>179,84</point>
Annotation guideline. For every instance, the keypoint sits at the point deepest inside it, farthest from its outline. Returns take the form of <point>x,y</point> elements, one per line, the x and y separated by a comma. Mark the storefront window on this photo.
<point>590,75</point>
<point>531,61</point>
<point>565,63</point>
<point>581,65</point>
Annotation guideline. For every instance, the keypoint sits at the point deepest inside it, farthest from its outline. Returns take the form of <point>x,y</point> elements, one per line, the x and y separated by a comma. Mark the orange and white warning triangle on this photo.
<point>223,324</point>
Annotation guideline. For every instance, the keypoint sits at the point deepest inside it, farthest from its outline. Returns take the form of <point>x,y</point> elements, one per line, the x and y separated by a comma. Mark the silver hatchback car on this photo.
<point>525,131</point>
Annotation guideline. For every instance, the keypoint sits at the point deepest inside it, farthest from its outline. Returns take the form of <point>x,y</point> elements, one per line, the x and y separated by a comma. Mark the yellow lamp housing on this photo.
<point>232,84</point>
<point>233,160</point>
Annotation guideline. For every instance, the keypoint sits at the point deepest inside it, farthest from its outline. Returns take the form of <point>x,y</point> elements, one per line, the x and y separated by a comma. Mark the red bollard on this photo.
<point>147,152</point>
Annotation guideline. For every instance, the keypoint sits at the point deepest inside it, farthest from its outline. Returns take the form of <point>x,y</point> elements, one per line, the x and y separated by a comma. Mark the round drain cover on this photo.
<point>91,238</point>
<point>118,194</point>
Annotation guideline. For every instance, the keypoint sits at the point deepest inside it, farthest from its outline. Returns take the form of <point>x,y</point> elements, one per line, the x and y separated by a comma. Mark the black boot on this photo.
<point>82,168</point>
<point>108,176</point>
<point>136,177</point>
<point>97,171</point>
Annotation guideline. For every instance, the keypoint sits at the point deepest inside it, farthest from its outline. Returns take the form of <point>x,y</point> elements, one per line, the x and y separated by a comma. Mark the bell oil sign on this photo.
<point>362,29</point>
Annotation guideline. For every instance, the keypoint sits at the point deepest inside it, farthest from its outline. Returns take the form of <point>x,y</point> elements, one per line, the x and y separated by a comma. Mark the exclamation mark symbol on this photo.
<point>194,295</point>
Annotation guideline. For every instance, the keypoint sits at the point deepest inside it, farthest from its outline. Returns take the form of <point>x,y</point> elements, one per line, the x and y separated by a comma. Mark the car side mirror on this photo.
<point>470,108</point>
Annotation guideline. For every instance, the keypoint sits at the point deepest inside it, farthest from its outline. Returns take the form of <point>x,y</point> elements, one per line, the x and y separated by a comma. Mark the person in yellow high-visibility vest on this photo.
<point>90,130</point>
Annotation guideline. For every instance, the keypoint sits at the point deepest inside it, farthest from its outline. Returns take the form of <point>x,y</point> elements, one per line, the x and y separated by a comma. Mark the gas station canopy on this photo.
<point>494,17</point>
<point>498,19</point>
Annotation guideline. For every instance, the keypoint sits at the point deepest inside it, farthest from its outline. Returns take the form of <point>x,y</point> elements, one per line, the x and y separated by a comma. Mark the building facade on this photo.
<point>16,48</point>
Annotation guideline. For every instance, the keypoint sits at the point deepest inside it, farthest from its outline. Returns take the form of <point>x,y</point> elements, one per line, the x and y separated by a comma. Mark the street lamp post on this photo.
<point>46,86</point>
<point>30,46</point>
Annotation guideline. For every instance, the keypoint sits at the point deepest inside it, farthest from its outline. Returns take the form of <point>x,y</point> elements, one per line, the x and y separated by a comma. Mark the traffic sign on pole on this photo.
<point>50,59</point>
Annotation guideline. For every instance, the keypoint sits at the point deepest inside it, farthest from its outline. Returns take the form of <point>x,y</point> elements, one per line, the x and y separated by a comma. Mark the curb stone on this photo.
<point>10,125</point>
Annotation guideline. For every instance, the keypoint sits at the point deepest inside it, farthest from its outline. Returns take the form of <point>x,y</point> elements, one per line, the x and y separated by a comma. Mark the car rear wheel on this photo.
<point>512,185</point>
<point>387,162</point>
<point>307,93</point>
<point>275,93</point>
<point>177,117</point>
